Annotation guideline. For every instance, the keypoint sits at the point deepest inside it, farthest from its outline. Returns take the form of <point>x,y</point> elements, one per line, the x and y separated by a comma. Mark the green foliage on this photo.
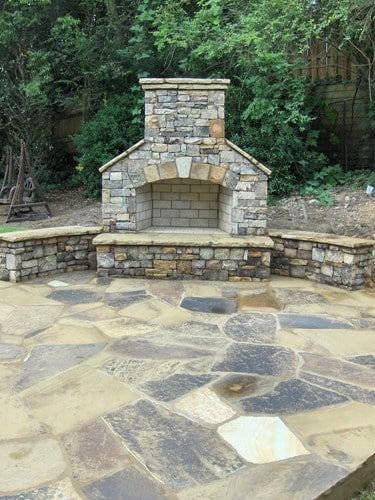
<point>114,128</point>
<point>321,185</point>
<point>63,54</point>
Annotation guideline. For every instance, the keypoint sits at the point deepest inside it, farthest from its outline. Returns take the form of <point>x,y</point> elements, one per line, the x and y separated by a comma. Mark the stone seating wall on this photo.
<point>38,252</point>
<point>335,260</point>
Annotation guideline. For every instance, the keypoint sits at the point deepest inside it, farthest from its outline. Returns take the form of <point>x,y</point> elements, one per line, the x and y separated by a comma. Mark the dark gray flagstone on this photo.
<point>311,321</point>
<point>128,484</point>
<point>75,296</point>
<point>292,396</point>
<point>214,305</point>
<point>123,299</point>
<point>178,451</point>
<point>175,386</point>
<point>252,327</point>
<point>351,391</point>
<point>259,359</point>
<point>144,349</point>
<point>366,360</point>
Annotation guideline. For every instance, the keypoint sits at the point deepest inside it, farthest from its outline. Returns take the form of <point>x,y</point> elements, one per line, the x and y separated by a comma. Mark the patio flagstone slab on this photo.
<point>175,386</point>
<point>124,327</point>
<point>339,370</point>
<point>94,452</point>
<point>216,305</point>
<point>75,397</point>
<point>16,420</point>
<point>136,371</point>
<point>74,296</point>
<point>27,464</point>
<point>67,331</point>
<point>157,312</point>
<point>204,405</point>
<point>144,349</point>
<point>350,391</point>
<point>344,434</point>
<point>256,327</point>
<point>300,478</point>
<point>47,360</point>
<point>123,299</point>
<point>337,342</point>
<point>297,296</point>
<point>367,360</point>
<point>293,396</point>
<point>258,359</point>
<point>169,291</point>
<point>61,490</point>
<point>262,439</point>
<point>30,319</point>
<point>310,321</point>
<point>11,352</point>
<point>127,484</point>
<point>179,452</point>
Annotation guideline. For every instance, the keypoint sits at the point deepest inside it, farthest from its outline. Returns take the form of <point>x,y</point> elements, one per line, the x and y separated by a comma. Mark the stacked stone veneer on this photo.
<point>336,260</point>
<point>29,254</point>
<point>197,257</point>
<point>184,141</point>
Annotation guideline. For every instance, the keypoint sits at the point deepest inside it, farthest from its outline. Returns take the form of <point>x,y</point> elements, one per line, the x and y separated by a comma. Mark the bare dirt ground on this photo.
<point>352,214</point>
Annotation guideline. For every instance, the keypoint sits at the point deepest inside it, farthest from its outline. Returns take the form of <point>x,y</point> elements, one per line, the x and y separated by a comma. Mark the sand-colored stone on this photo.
<point>264,300</point>
<point>157,312</point>
<point>124,327</point>
<point>283,282</point>
<point>76,397</point>
<point>69,331</point>
<point>16,296</point>
<point>5,311</point>
<point>15,418</point>
<point>331,239</point>
<point>331,309</point>
<point>204,405</point>
<point>27,464</point>
<point>344,435</point>
<point>262,440</point>
<point>341,343</point>
<point>119,285</point>
<point>30,319</point>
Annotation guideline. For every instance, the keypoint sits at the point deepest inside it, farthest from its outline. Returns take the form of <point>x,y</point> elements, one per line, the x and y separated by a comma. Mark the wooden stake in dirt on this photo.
<point>22,196</point>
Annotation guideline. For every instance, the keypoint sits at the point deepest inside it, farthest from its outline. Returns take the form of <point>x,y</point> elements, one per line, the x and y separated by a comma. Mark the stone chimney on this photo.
<point>184,173</point>
<point>186,107</point>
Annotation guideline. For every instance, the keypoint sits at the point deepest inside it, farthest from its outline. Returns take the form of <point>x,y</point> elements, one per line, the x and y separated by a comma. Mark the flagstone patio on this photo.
<point>135,389</point>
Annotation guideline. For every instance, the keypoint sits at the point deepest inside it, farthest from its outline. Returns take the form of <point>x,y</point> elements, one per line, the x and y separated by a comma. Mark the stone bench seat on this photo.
<point>179,255</point>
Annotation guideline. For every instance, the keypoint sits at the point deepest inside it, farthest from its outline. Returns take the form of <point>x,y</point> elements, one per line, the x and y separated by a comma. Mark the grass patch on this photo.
<point>10,229</point>
<point>368,493</point>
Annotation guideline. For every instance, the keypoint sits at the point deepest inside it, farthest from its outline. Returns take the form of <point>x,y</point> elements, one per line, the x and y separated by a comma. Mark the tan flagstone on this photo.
<point>11,339</point>
<point>261,440</point>
<point>157,312</point>
<point>102,312</point>
<point>205,405</point>
<point>78,308</point>
<point>201,289</point>
<point>69,331</point>
<point>27,464</point>
<point>31,318</point>
<point>16,296</point>
<point>15,418</point>
<point>332,419</point>
<point>344,435</point>
<point>284,282</point>
<point>342,343</point>
<point>8,376</point>
<point>123,327</point>
<point>73,398</point>
<point>350,447</point>
<point>123,285</point>
<point>262,301</point>
<point>5,310</point>
<point>331,309</point>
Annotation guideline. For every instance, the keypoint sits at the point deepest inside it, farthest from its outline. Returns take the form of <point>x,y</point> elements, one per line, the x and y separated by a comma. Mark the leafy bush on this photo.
<point>116,126</point>
<point>334,176</point>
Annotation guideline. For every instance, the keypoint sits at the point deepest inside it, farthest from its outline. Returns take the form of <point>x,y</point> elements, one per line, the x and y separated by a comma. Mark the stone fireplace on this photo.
<point>184,202</point>
<point>185,173</point>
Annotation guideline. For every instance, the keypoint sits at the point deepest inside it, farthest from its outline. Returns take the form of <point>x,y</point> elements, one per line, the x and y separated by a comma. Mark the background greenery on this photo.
<point>89,54</point>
